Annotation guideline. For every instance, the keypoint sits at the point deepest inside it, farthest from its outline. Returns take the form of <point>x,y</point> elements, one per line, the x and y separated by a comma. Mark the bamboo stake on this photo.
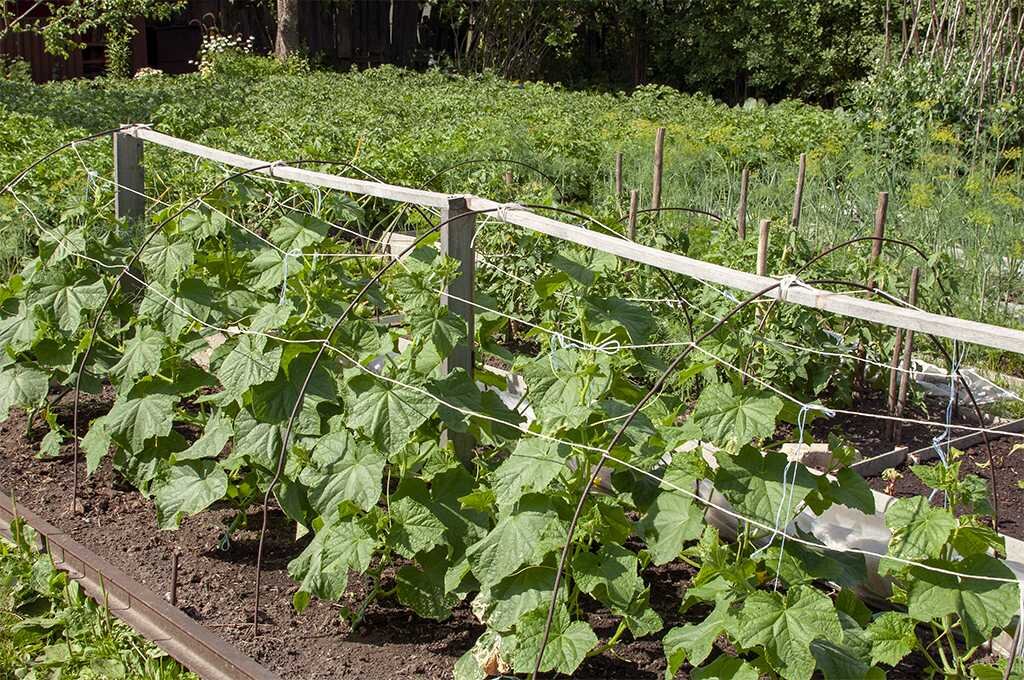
<point>634,200</point>
<point>741,216</point>
<point>762,248</point>
<point>798,197</point>
<point>618,175</point>
<point>908,351</point>
<point>659,150</point>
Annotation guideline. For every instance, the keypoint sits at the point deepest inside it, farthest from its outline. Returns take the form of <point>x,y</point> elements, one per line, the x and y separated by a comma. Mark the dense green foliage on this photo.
<point>51,630</point>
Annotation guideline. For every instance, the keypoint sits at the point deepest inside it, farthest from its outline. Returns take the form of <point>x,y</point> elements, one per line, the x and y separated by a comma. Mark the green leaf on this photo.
<point>210,445</point>
<point>95,444</point>
<point>522,538</point>
<point>443,328</point>
<point>981,605</point>
<point>343,468</point>
<point>70,300</point>
<point>728,418</point>
<point>611,575</point>
<point>22,386</point>
<point>19,331</point>
<point>533,465</point>
<point>671,520</point>
<point>693,642</point>
<point>133,421</point>
<point>322,568</point>
<point>249,363</point>
<point>295,231</point>
<point>189,487</point>
<point>423,589</point>
<point>567,645</point>
<point>414,529</point>
<point>918,530</point>
<point>785,626</point>
<point>892,638</point>
<point>503,603</point>
<point>753,484</point>
<point>142,355</point>
<point>838,662</point>
<point>726,667</point>
<point>388,414</point>
<point>609,314</point>
<point>165,260</point>
<point>851,490</point>
<point>259,442</point>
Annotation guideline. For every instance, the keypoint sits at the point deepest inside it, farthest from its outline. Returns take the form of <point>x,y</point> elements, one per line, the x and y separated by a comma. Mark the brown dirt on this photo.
<point>1008,469</point>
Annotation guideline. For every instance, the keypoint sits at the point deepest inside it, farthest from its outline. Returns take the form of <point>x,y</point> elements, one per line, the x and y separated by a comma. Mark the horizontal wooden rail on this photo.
<point>999,337</point>
<point>358,186</point>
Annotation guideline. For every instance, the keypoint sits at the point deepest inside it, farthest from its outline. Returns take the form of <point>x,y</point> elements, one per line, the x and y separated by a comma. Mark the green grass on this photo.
<point>50,629</point>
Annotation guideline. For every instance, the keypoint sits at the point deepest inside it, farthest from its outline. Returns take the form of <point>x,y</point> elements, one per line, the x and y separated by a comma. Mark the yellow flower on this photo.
<point>944,135</point>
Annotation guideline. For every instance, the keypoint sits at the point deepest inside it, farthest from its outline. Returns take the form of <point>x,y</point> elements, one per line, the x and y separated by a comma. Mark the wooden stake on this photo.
<point>174,578</point>
<point>894,362</point>
<point>908,351</point>
<point>876,252</point>
<point>798,197</point>
<point>634,200</point>
<point>659,151</point>
<point>618,175</point>
<point>741,216</point>
<point>876,245</point>
<point>762,248</point>
<point>509,178</point>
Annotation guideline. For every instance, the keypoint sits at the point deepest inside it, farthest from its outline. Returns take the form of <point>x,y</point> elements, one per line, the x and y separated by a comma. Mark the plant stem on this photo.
<point>612,641</point>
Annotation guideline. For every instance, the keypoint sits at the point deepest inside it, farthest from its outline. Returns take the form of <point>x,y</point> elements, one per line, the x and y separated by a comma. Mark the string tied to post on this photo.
<point>502,210</point>
<point>273,166</point>
<point>133,128</point>
<point>284,271</point>
<point>789,474</point>
<point>788,281</point>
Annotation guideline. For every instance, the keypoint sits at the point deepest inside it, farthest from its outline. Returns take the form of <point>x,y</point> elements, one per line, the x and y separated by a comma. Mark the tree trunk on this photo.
<point>287,28</point>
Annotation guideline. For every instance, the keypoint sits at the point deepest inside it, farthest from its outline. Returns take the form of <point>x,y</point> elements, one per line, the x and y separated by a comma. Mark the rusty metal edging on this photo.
<point>188,642</point>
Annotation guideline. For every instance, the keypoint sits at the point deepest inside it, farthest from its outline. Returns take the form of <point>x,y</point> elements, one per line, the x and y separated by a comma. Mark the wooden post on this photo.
<point>659,156</point>
<point>762,248</point>
<point>894,362</point>
<point>634,200</point>
<point>509,178</point>
<point>618,175</point>
<point>798,197</point>
<point>457,243</point>
<point>129,198</point>
<point>741,216</point>
<point>908,351</point>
